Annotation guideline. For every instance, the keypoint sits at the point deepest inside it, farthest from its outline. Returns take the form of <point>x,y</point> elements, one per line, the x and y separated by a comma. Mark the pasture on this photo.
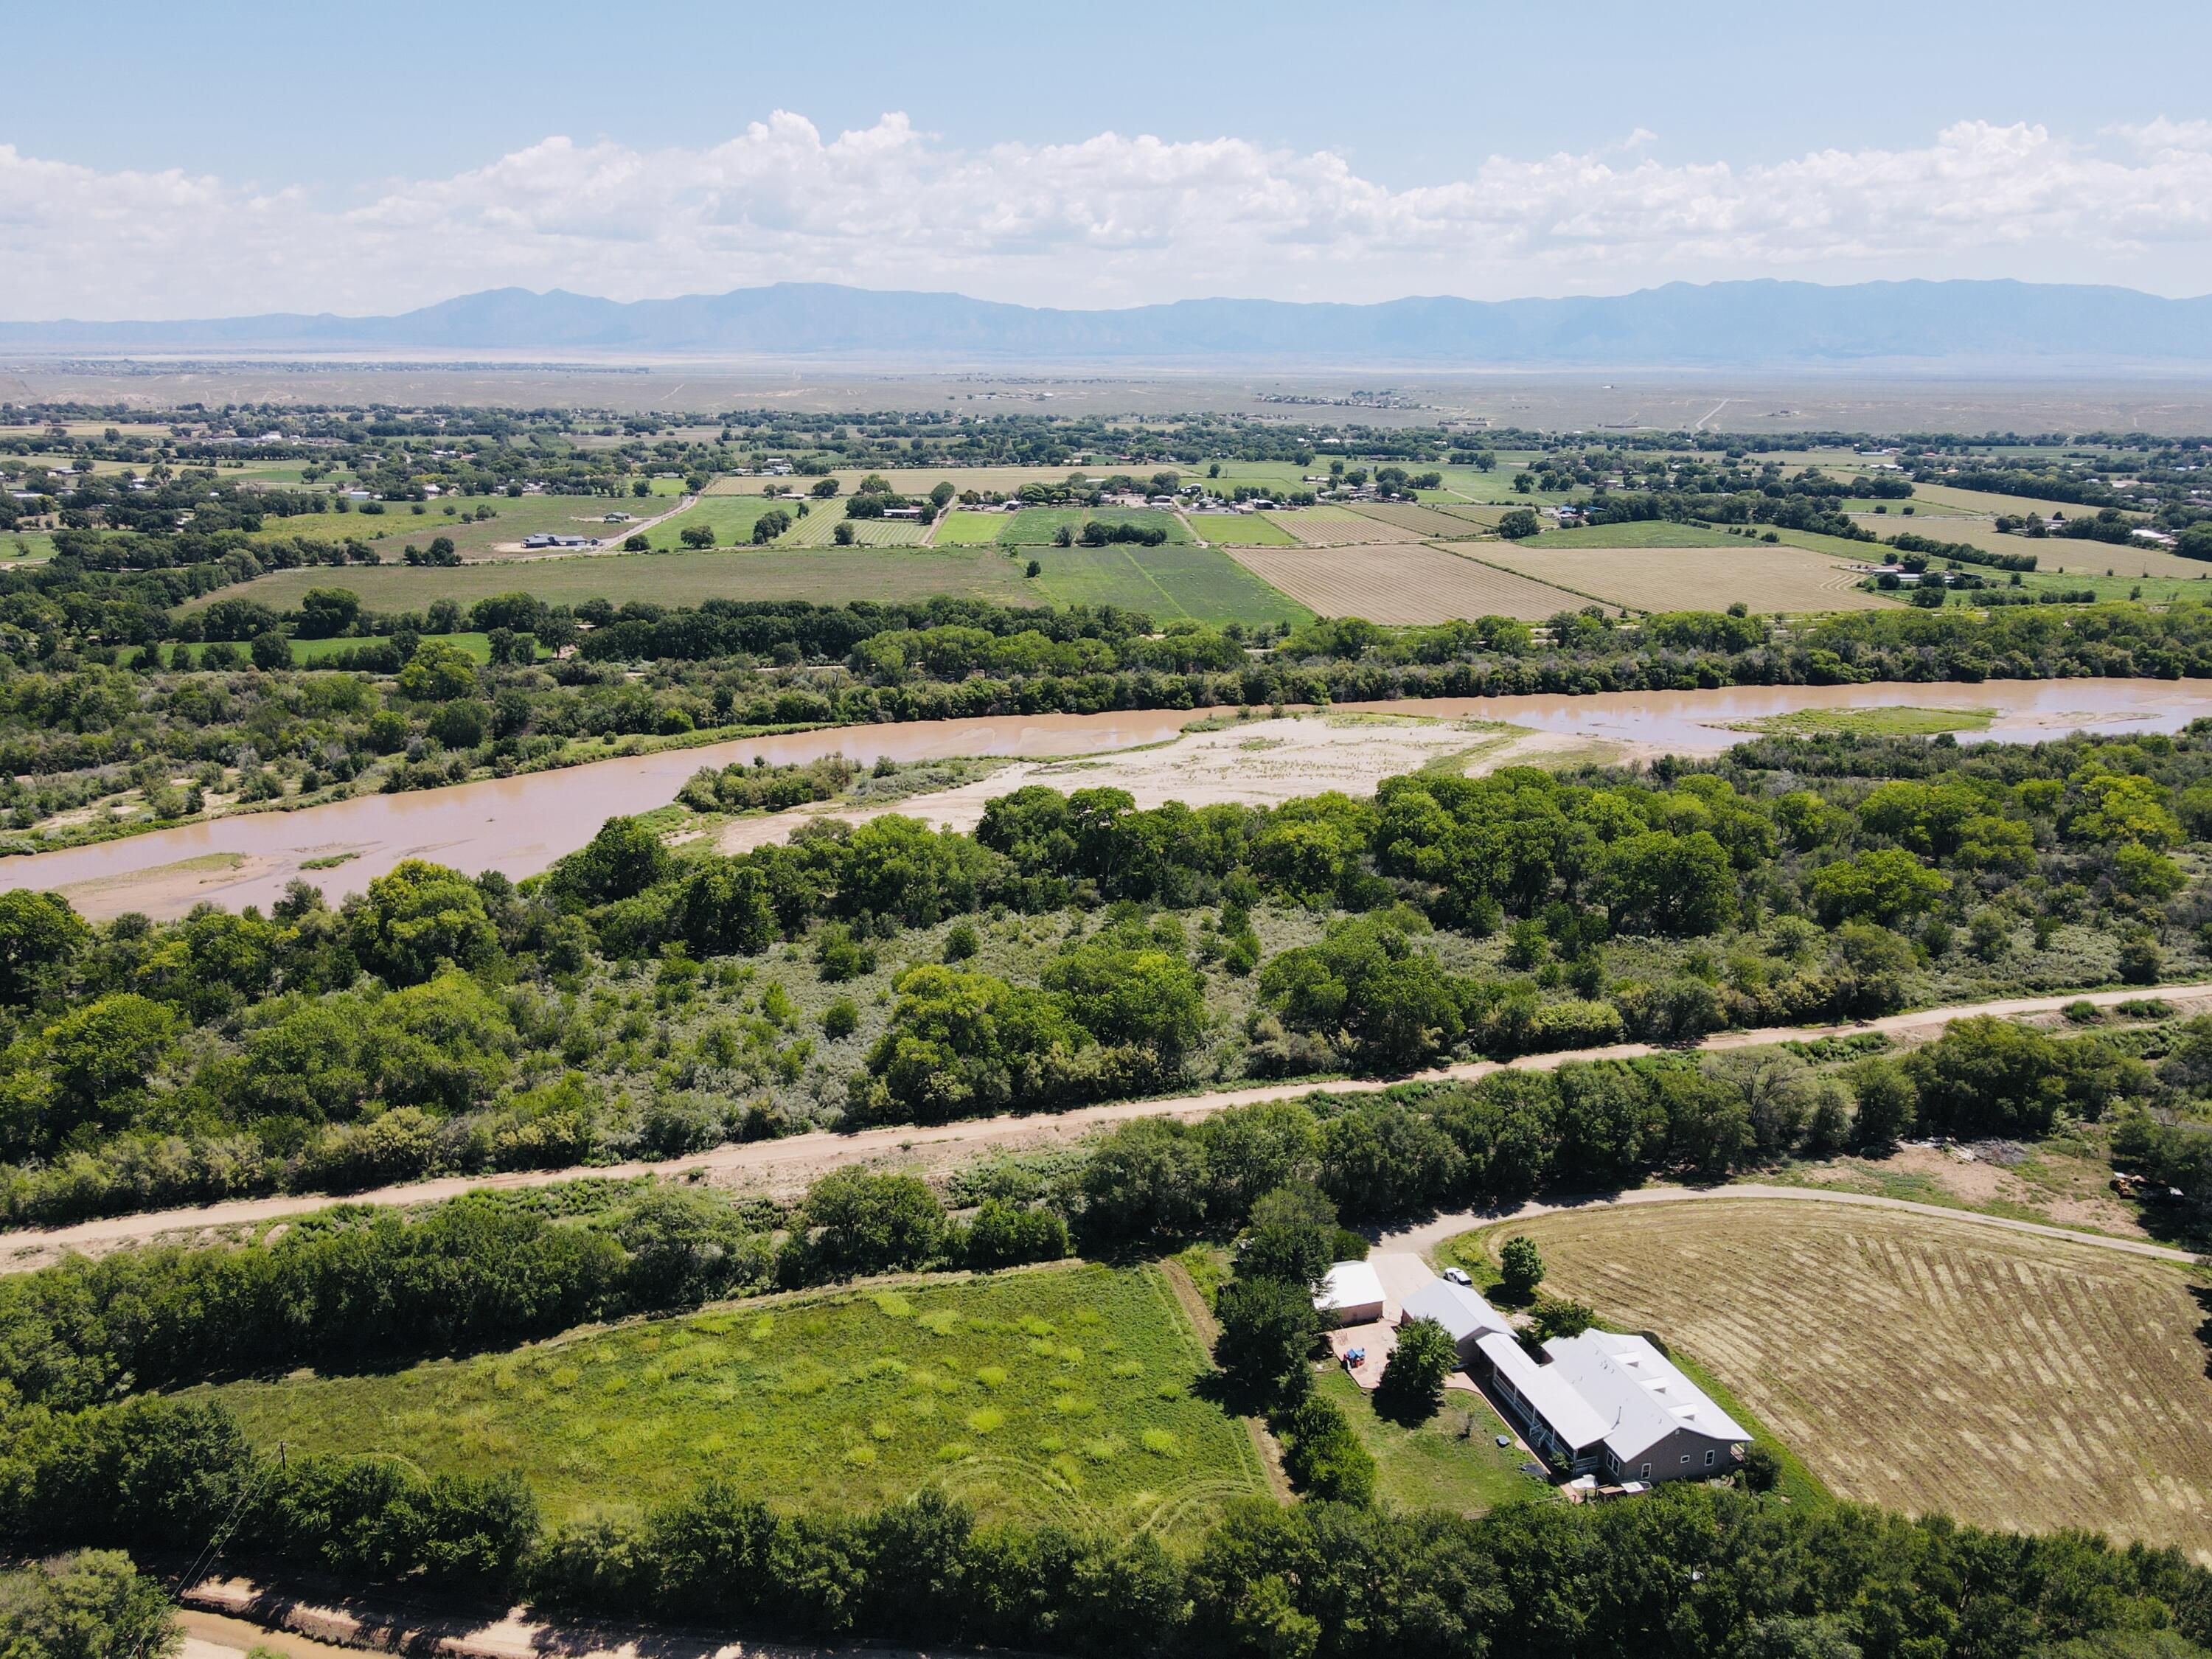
<point>1923,1363</point>
<point>1034,526</point>
<point>819,529</point>
<point>828,575</point>
<point>1060,1394</point>
<point>1167,583</point>
<point>731,518</point>
<point>1402,584</point>
<point>1984,501</point>
<point>964,528</point>
<point>390,530</point>
<point>1769,578</point>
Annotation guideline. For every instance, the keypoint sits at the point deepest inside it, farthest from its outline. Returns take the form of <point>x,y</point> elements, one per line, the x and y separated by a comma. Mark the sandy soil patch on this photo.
<point>1261,762</point>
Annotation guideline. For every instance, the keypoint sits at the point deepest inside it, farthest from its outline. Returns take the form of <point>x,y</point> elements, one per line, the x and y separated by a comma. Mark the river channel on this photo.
<point>520,825</point>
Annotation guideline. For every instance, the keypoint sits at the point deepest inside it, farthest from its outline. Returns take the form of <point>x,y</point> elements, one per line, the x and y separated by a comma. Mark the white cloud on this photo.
<point>1111,219</point>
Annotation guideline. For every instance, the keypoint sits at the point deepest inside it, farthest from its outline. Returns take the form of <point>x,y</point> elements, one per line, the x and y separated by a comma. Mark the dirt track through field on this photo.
<point>789,1165</point>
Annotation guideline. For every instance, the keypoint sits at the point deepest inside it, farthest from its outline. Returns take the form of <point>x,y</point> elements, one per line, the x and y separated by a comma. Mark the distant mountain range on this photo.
<point>1682,324</point>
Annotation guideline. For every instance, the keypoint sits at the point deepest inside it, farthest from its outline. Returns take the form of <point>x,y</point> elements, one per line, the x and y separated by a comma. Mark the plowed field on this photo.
<point>1340,527</point>
<point>1402,584</point>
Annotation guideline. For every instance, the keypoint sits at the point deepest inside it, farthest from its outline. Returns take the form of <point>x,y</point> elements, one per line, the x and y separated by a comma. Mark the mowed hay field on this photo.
<point>1402,584</point>
<point>1060,1394</point>
<point>1923,1363</point>
<point>1421,521</point>
<point>1768,577</point>
<point>828,575</point>
<point>1340,527</point>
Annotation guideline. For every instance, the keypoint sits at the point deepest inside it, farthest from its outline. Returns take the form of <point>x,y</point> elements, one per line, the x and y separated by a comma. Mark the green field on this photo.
<point>1450,1463</point>
<point>1167,582</point>
<point>2151,590</point>
<point>819,529</point>
<point>1061,1394</point>
<point>1241,530</point>
<point>1660,532</point>
<point>964,528</point>
<point>730,517</point>
<point>830,575</point>
<point>26,546</point>
<point>1034,526</point>
<point>475,539</point>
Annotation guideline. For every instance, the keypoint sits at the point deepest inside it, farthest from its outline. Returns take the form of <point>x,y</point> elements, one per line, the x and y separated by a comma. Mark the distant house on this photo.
<point>543,539</point>
<point>902,512</point>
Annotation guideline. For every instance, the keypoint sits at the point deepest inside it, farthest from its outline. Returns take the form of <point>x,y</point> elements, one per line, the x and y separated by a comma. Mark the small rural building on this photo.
<point>1351,1294</point>
<point>1465,1314</point>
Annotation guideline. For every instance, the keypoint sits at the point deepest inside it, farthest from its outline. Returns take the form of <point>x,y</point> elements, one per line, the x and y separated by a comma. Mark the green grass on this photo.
<point>26,546</point>
<point>1241,530</point>
<point>830,575</point>
<point>964,528</point>
<point>1434,1465</point>
<point>391,529</point>
<point>1168,582</point>
<point>819,529</point>
<point>1060,1394</point>
<point>1034,526</point>
<point>1660,532</point>
<point>1892,722</point>
<point>730,517</point>
<point>2150,590</point>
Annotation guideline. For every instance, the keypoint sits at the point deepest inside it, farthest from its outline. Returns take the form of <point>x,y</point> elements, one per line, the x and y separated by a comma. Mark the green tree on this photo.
<point>418,916</point>
<point>1269,1330</point>
<point>1322,1453</point>
<point>856,1222</point>
<point>1521,1267</point>
<point>623,858</point>
<point>439,671</point>
<point>1293,1237</point>
<point>326,612</point>
<point>1413,1385</point>
<point>1521,522</point>
<point>1884,884</point>
<point>92,1605</point>
<point>271,650</point>
<point>38,933</point>
<point>696,536</point>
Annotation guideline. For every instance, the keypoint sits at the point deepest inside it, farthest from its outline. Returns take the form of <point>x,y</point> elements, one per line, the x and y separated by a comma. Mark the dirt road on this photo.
<point>787,1166</point>
<point>1423,1238</point>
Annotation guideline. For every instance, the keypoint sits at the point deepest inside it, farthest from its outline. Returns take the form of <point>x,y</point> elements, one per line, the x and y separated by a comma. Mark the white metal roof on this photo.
<point>1639,1394</point>
<point>1460,1311</point>
<point>1547,1389</point>
<point>1349,1285</point>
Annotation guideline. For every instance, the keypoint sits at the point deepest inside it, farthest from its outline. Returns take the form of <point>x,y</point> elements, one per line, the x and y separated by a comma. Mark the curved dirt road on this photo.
<point>1424,1237</point>
<point>789,1164</point>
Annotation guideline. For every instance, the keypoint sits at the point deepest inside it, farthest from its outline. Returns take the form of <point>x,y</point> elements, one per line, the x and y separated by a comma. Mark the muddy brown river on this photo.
<point>520,825</point>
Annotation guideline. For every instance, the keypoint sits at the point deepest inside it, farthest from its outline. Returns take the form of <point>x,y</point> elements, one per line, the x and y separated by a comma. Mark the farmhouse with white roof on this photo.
<point>1599,1403</point>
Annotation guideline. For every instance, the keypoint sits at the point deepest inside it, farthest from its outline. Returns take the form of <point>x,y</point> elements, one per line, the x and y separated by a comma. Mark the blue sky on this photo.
<point>221,157</point>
